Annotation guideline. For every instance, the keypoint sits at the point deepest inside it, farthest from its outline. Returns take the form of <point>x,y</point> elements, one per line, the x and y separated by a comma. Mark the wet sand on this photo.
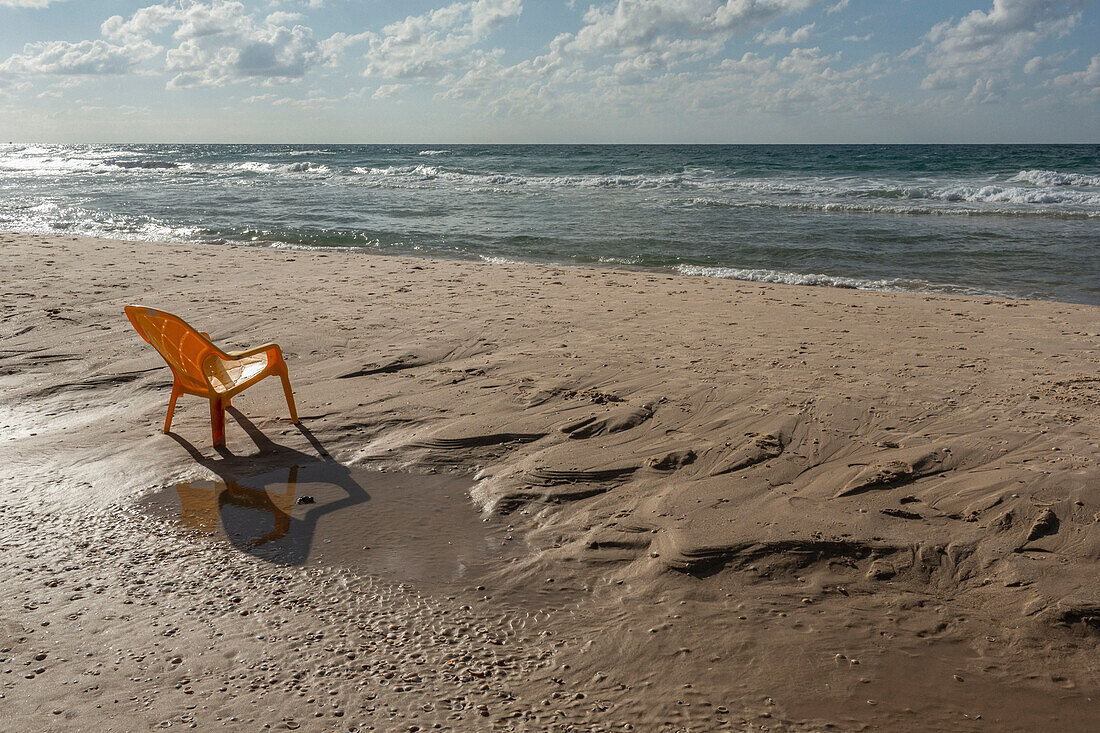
<point>416,528</point>
<point>716,504</point>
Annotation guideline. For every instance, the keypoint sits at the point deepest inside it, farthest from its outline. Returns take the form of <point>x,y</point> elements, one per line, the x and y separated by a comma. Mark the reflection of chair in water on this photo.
<point>200,507</point>
<point>201,368</point>
<point>203,508</point>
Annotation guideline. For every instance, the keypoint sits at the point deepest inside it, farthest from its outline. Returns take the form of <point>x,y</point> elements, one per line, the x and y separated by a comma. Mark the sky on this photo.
<point>552,71</point>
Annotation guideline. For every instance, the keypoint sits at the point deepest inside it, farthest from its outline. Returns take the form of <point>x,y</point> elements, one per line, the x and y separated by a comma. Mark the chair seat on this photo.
<point>226,376</point>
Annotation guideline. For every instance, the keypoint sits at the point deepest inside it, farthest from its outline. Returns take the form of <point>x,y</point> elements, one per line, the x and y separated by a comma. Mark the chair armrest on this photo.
<point>271,346</point>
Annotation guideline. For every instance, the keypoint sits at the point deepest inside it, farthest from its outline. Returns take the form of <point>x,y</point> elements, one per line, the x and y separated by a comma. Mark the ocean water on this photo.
<point>1014,220</point>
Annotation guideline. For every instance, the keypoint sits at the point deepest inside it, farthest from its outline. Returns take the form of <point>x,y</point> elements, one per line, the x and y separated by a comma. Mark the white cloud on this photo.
<point>35,4</point>
<point>333,47</point>
<point>127,110</point>
<point>986,90</point>
<point>631,44</point>
<point>220,42</point>
<point>627,57</point>
<point>9,87</point>
<point>805,61</point>
<point>804,81</point>
<point>1085,83</point>
<point>280,17</point>
<point>278,54</point>
<point>640,68</point>
<point>681,27</point>
<point>782,36</point>
<point>1036,65</point>
<point>739,15</point>
<point>386,91</point>
<point>1046,64</point>
<point>992,41</point>
<point>210,44</point>
<point>316,100</point>
<point>750,64</point>
<point>144,22</point>
<point>436,43</point>
<point>82,58</point>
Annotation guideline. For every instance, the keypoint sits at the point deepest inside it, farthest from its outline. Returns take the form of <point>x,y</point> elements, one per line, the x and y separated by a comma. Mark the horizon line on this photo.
<point>533,144</point>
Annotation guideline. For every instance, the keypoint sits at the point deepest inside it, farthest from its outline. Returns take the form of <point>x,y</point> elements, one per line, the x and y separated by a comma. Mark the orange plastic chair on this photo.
<point>202,369</point>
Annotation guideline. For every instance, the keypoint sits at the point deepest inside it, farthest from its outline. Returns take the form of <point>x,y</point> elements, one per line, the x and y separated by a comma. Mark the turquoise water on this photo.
<point>1017,220</point>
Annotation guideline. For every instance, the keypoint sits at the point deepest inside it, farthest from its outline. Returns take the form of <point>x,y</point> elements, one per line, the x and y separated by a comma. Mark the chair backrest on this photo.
<point>184,348</point>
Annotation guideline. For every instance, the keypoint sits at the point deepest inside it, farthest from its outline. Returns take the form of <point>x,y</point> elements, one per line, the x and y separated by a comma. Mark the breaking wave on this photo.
<point>144,164</point>
<point>252,166</point>
<point>849,207</point>
<point>819,280</point>
<point>995,194</point>
<point>1054,178</point>
<point>423,172</point>
<point>809,193</point>
<point>497,260</point>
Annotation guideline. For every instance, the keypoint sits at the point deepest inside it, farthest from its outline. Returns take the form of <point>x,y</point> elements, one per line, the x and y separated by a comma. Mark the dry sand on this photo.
<point>717,504</point>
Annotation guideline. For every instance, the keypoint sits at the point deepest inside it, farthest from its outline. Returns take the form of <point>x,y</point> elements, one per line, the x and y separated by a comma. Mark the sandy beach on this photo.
<point>708,504</point>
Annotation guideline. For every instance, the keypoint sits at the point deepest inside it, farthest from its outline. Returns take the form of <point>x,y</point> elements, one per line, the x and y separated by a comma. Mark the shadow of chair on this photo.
<point>204,503</point>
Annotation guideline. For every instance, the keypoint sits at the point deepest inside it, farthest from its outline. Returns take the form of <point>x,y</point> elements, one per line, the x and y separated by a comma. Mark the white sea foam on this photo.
<point>814,193</point>
<point>294,153</point>
<point>253,166</point>
<point>794,278</point>
<point>412,171</point>
<point>307,167</point>
<point>256,166</point>
<point>1054,178</point>
<point>847,207</point>
<point>423,172</point>
<point>948,192</point>
<point>39,165</point>
<point>495,260</point>
<point>146,164</point>
<point>91,162</point>
<point>300,247</point>
<point>1007,195</point>
<point>52,218</point>
<point>434,152</point>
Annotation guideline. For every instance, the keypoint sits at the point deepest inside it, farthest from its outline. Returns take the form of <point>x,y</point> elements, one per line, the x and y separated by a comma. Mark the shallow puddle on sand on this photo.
<point>421,529</point>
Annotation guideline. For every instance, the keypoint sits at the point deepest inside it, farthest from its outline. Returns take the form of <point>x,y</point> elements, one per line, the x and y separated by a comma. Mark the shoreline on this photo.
<point>749,275</point>
<point>767,476</point>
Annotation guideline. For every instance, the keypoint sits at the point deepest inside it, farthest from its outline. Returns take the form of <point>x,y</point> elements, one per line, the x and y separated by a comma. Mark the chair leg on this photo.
<point>217,421</point>
<point>176,392</point>
<point>285,376</point>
